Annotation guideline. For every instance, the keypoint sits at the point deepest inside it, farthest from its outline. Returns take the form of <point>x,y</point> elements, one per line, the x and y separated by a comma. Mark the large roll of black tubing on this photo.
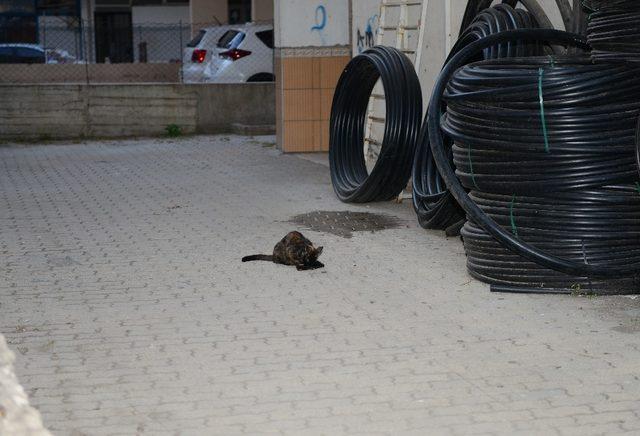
<point>613,30</point>
<point>554,215</point>
<point>403,99</point>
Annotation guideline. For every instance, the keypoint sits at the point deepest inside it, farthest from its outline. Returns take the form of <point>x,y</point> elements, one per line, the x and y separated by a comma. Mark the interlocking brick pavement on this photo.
<point>123,296</point>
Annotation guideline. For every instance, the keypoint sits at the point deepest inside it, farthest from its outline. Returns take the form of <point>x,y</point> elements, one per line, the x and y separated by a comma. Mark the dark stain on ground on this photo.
<point>345,223</point>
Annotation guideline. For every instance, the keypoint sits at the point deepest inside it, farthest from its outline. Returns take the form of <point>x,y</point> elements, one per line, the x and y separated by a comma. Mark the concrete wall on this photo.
<point>208,12</point>
<point>262,10</point>
<point>97,73</point>
<point>170,14</point>
<point>364,24</point>
<point>71,111</point>
<point>221,105</point>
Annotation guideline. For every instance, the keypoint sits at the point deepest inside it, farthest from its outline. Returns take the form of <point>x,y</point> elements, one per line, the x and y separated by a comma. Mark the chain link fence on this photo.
<point>104,51</point>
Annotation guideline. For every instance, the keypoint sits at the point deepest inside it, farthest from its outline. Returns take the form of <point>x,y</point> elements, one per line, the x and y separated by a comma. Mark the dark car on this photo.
<point>22,54</point>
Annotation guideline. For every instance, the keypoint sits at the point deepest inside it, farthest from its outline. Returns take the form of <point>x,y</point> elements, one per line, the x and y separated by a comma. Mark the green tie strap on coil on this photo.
<point>542,117</point>
<point>512,217</point>
<point>473,177</point>
<point>638,146</point>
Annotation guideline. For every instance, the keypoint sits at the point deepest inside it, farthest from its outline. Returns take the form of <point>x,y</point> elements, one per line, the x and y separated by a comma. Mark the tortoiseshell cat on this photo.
<point>294,249</point>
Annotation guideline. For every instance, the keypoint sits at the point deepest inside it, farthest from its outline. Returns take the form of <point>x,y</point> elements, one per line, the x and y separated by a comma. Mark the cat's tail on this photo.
<point>258,257</point>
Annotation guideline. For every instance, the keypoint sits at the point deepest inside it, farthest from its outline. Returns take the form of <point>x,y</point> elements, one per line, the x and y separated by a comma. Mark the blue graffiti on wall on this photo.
<point>367,41</point>
<point>321,23</point>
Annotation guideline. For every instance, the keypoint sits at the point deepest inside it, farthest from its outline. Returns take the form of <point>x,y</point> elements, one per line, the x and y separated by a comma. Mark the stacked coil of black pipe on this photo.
<point>435,207</point>
<point>594,226</point>
<point>474,7</point>
<point>613,30</point>
<point>547,148</point>
<point>596,5</point>
<point>638,149</point>
<point>403,98</point>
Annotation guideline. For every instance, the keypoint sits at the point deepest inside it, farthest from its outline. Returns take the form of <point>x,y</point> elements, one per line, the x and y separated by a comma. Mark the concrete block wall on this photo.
<point>92,73</point>
<point>120,110</point>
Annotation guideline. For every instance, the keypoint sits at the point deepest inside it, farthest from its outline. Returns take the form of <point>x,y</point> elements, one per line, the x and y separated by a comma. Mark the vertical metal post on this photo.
<point>35,11</point>
<point>142,57</point>
<point>44,34</point>
<point>80,49</point>
<point>180,60</point>
<point>85,43</point>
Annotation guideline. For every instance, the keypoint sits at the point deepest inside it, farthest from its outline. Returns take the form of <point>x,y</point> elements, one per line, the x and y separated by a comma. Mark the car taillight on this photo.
<point>198,56</point>
<point>234,54</point>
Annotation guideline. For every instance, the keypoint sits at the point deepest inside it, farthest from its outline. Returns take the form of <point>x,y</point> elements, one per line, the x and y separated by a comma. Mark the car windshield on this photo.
<point>196,39</point>
<point>231,39</point>
<point>266,37</point>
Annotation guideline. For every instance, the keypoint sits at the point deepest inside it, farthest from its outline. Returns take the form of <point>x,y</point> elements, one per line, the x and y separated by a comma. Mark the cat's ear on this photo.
<point>319,251</point>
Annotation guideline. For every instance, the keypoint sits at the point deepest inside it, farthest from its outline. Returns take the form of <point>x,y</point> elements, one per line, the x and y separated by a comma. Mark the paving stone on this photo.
<point>124,299</point>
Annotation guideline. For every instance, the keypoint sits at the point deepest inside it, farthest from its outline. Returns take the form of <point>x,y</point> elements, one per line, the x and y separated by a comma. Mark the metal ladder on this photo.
<point>400,26</point>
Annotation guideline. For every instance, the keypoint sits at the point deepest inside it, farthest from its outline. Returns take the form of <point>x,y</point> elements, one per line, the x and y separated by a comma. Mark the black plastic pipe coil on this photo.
<point>540,189</point>
<point>554,215</point>
<point>432,202</point>
<point>403,99</point>
<point>613,30</point>
<point>584,139</point>
<point>599,226</point>
<point>533,6</point>
<point>638,148</point>
<point>596,5</point>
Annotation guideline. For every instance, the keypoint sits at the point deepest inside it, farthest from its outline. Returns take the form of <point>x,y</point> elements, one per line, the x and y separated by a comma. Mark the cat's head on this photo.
<point>313,253</point>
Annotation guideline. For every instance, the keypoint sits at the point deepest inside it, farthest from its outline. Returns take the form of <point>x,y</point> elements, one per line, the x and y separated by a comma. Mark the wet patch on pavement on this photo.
<point>345,223</point>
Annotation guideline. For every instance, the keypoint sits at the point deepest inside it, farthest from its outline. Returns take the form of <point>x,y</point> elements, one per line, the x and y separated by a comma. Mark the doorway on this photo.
<point>239,11</point>
<point>114,37</point>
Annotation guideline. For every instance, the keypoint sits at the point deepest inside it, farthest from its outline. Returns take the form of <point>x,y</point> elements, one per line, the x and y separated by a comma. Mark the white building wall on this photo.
<point>308,23</point>
<point>365,24</point>
<point>165,30</point>
<point>160,14</point>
